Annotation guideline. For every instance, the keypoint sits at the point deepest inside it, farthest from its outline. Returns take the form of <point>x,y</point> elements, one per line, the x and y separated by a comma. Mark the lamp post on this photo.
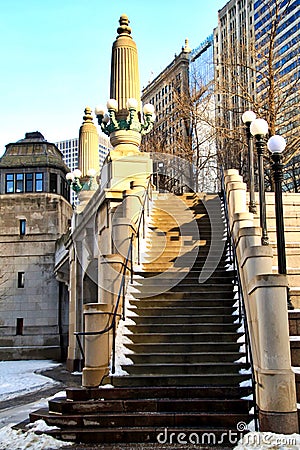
<point>276,145</point>
<point>109,122</point>
<point>259,129</point>
<point>247,119</point>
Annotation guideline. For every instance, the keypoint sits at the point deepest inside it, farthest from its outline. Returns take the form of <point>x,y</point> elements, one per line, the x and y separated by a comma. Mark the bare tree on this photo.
<point>257,76</point>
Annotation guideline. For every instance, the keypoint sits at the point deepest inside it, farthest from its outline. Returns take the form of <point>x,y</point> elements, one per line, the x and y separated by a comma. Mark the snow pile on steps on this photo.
<point>122,340</point>
<point>34,438</point>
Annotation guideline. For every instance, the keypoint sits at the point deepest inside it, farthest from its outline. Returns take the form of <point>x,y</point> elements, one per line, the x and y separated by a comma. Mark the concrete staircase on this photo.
<point>291,210</point>
<point>188,373</point>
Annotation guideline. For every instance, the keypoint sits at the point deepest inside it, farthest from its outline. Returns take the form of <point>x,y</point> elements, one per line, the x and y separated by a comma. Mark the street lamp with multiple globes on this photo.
<point>247,119</point>
<point>259,129</point>
<point>73,179</point>
<point>78,183</point>
<point>109,122</point>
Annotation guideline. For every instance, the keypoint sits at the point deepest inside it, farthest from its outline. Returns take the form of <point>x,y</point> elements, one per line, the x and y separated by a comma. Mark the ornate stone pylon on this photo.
<point>125,80</point>
<point>124,123</point>
<point>88,156</point>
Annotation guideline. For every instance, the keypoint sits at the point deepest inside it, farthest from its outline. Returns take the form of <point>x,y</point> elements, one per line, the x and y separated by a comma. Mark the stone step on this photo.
<point>181,261</point>
<point>229,379</point>
<point>125,393</point>
<point>191,273</point>
<point>184,337</point>
<point>186,295</point>
<point>182,319</point>
<point>184,357</point>
<point>186,287</point>
<point>295,350</point>
<point>207,301</point>
<point>294,322</point>
<point>175,369</point>
<point>172,210</point>
<point>171,437</point>
<point>138,419</point>
<point>179,347</point>
<point>192,278</point>
<point>205,310</point>
<point>151,405</point>
<point>183,328</point>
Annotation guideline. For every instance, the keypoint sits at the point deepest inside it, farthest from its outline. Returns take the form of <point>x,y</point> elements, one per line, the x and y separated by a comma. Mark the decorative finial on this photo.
<point>124,28</point>
<point>186,48</point>
<point>87,115</point>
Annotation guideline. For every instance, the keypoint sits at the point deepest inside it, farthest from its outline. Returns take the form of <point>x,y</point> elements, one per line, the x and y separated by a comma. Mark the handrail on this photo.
<point>127,265</point>
<point>242,308</point>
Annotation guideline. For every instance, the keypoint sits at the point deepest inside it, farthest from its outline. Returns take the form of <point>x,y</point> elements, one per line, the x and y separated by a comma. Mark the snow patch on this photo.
<point>246,383</point>
<point>19,440</point>
<point>17,377</point>
<point>121,341</point>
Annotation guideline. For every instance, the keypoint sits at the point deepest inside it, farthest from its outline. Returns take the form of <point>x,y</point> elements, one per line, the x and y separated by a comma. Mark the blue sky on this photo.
<point>55,55</point>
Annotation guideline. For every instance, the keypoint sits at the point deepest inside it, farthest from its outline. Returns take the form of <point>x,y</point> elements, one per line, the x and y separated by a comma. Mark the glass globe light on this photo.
<point>112,104</point>
<point>248,116</point>
<point>276,144</point>
<point>99,110</point>
<point>132,103</point>
<point>259,127</point>
<point>77,173</point>
<point>148,109</point>
<point>91,173</point>
<point>70,176</point>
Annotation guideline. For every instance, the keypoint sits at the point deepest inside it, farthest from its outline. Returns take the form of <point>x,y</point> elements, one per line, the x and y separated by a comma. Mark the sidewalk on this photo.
<point>62,378</point>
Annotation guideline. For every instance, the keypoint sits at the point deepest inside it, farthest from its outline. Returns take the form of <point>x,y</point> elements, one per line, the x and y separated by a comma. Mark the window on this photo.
<point>19,182</point>
<point>21,279</point>
<point>19,327</point>
<point>53,182</point>
<point>22,227</point>
<point>9,183</point>
<point>29,182</point>
<point>39,182</point>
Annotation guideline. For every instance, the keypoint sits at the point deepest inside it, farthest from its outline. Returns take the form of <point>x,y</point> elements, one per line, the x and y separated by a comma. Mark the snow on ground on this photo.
<point>18,377</point>
<point>11,439</point>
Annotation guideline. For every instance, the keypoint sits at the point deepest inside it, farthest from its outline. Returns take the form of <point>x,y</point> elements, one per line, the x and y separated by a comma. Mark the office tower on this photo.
<point>203,115</point>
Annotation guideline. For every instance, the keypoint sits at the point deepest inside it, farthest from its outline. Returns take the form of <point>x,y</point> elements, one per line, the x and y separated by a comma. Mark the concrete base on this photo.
<point>93,376</point>
<point>74,365</point>
<point>276,422</point>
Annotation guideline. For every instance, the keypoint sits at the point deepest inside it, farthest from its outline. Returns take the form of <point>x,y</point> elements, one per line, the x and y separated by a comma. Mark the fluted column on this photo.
<point>88,156</point>
<point>125,82</point>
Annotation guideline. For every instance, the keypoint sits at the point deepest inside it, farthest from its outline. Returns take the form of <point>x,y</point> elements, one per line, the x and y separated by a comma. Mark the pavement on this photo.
<point>59,374</point>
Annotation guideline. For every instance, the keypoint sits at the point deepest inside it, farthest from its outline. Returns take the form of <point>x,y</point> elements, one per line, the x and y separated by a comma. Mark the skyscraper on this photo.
<point>256,67</point>
<point>203,134</point>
